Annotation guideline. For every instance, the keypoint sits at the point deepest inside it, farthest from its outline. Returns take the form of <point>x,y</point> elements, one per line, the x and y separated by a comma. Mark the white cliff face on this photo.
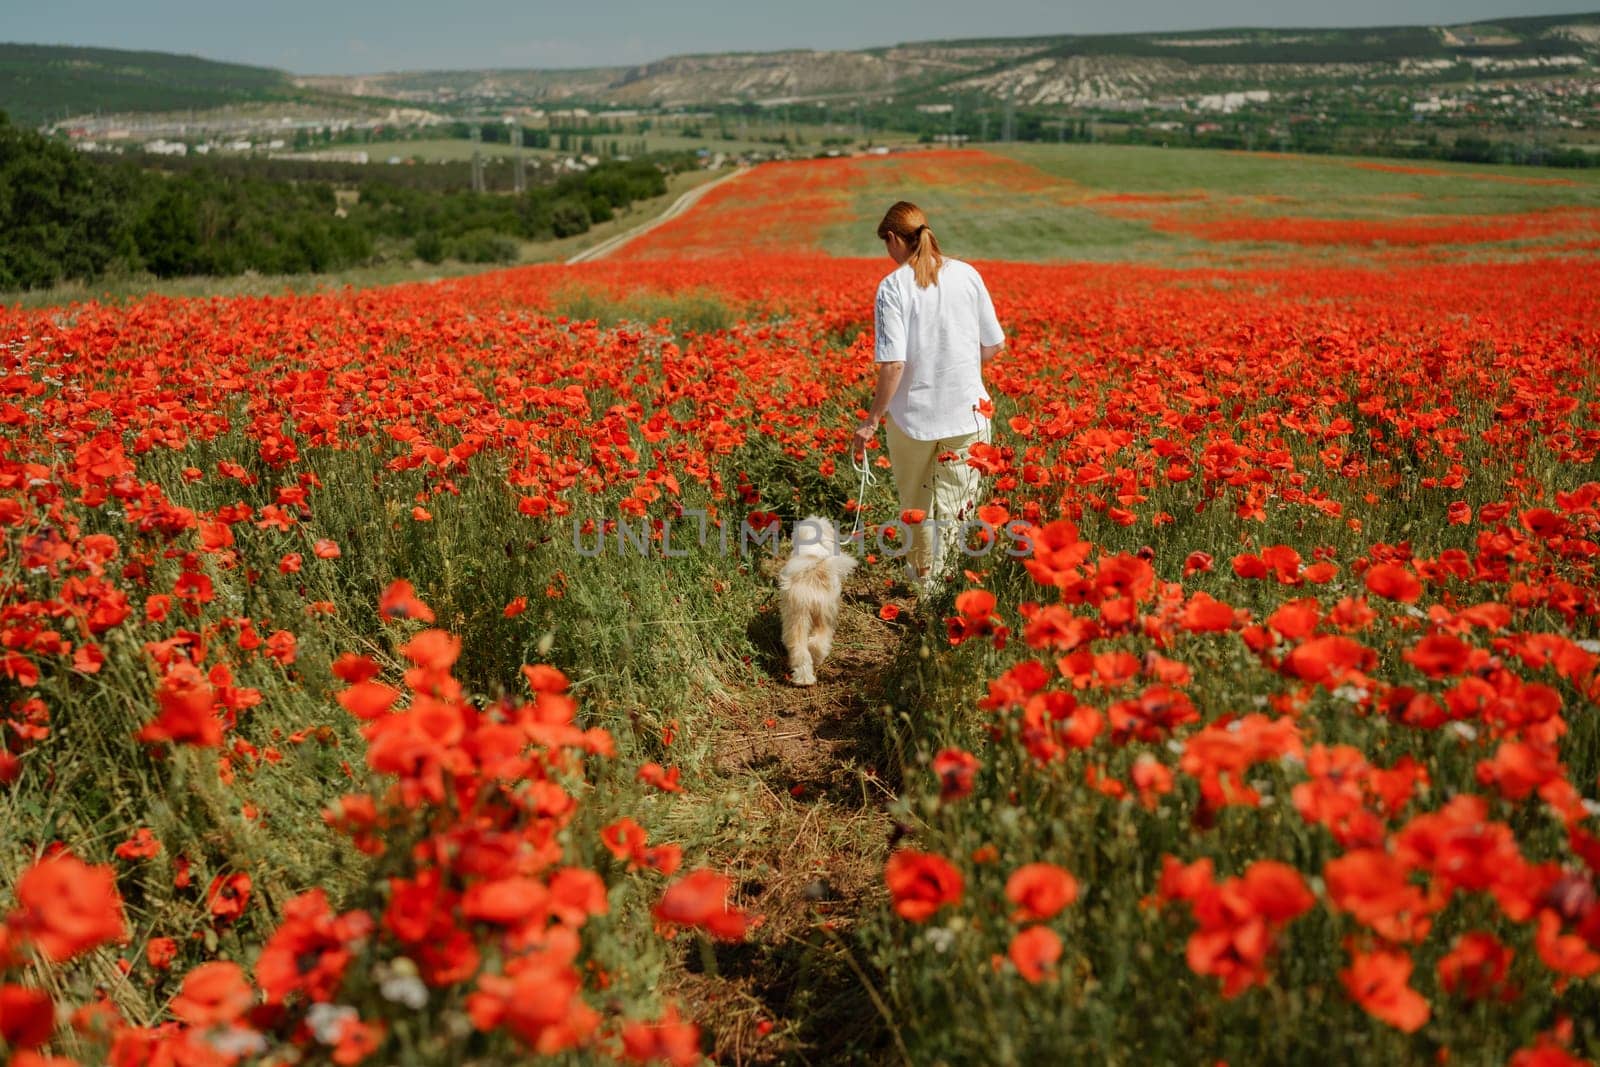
<point>1080,80</point>
<point>1587,33</point>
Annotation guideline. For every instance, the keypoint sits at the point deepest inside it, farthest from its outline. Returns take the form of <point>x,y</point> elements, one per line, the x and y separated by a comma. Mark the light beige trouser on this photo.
<point>946,489</point>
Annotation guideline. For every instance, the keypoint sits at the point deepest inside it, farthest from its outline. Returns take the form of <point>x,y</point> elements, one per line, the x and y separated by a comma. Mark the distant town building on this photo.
<point>331,155</point>
<point>1229,102</point>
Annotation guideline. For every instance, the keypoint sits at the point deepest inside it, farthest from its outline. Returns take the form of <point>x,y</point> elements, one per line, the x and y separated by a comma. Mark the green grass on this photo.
<point>700,311</point>
<point>427,150</point>
<point>978,219</point>
<point>1324,186</point>
<point>1025,229</point>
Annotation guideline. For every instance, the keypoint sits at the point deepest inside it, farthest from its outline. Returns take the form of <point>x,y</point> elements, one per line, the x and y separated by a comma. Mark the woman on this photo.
<point>935,328</point>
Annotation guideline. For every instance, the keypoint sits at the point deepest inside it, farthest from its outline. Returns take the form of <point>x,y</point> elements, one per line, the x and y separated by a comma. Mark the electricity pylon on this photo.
<point>477,159</point>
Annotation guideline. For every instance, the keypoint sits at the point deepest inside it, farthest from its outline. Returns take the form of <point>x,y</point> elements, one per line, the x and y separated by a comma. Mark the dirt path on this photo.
<point>795,993</point>
<point>678,207</point>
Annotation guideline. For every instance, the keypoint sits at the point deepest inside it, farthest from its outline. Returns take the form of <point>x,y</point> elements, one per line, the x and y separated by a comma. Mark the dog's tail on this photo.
<point>841,564</point>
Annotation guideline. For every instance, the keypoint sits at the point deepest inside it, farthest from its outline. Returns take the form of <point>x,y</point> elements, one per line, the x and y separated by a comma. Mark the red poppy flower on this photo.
<point>27,1017</point>
<point>399,601</point>
<point>537,1000</point>
<point>1034,952</point>
<point>921,883</point>
<point>669,1041</point>
<point>1394,582</point>
<point>507,901</point>
<point>626,840</point>
<point>1329,660</point>
<point>956,769</point>
<point>701,899</point>
<point>1476,967</point>
<point>664,779</point>
<point>66,907</point>
<point>186,700</point>
<point>142,845</point>
<point>159,952</point>
<point>228,895</point>
<point>310,950</point>
<point>1040,891</point>
<point>1378,981</point>
<point>213,994</point>
<point>1205,614</point>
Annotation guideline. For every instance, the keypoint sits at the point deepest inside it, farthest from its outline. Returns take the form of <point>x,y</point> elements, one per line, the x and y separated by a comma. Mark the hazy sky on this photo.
<point>346,37</point>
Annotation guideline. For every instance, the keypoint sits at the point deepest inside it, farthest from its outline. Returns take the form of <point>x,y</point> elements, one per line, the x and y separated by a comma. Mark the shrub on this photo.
<point>569,217</point>
<point>484,246</point>
<point>428,247</point>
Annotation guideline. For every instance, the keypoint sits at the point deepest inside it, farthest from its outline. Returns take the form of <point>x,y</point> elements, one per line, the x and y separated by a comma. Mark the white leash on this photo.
<point>862,467</point>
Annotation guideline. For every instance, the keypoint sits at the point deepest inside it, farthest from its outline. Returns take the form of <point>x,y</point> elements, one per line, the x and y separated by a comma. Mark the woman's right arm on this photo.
<point>889,354</point>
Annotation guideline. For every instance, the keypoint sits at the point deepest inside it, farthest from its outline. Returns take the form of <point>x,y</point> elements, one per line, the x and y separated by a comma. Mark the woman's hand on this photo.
<point>864,437</point>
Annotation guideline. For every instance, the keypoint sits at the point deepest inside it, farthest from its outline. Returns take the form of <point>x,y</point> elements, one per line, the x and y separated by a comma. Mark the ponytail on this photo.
<point>907,222</point>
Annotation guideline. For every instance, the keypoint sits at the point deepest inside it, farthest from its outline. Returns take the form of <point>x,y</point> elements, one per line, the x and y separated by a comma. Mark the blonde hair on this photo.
<point>906,221</point>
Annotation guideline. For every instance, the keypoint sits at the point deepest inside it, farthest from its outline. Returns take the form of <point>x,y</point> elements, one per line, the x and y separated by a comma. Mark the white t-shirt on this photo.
<point>937,332</point>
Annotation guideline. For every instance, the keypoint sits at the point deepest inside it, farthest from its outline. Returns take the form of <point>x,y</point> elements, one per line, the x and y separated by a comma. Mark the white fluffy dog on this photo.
<point>809,589</point>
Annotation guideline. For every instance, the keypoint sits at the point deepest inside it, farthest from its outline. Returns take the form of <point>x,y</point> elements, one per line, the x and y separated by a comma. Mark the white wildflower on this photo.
<point>405,989</point>
<point>235,1042</point>
<point>1464,731</point>
<point>327,1021</point>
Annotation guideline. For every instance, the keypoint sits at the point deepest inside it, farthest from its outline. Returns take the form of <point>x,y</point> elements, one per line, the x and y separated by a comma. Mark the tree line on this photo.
<point>67,216</point>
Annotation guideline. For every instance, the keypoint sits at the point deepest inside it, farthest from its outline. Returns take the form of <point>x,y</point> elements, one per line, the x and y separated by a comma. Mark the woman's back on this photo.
<point>938,330</point>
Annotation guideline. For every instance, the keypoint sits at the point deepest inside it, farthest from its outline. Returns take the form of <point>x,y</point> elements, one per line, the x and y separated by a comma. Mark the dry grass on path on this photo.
<point>795,992</point>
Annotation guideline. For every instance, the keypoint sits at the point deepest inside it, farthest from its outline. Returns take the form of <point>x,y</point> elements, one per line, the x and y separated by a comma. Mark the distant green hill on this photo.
<point>1073,72</point>
<point>40,83</point>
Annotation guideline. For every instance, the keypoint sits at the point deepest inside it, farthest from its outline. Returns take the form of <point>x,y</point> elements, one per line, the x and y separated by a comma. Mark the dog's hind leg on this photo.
<point>796,638</point>
<point>821,643</point>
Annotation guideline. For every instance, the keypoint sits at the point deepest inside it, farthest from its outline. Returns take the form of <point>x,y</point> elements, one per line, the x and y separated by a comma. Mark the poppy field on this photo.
<point>368,696</point>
